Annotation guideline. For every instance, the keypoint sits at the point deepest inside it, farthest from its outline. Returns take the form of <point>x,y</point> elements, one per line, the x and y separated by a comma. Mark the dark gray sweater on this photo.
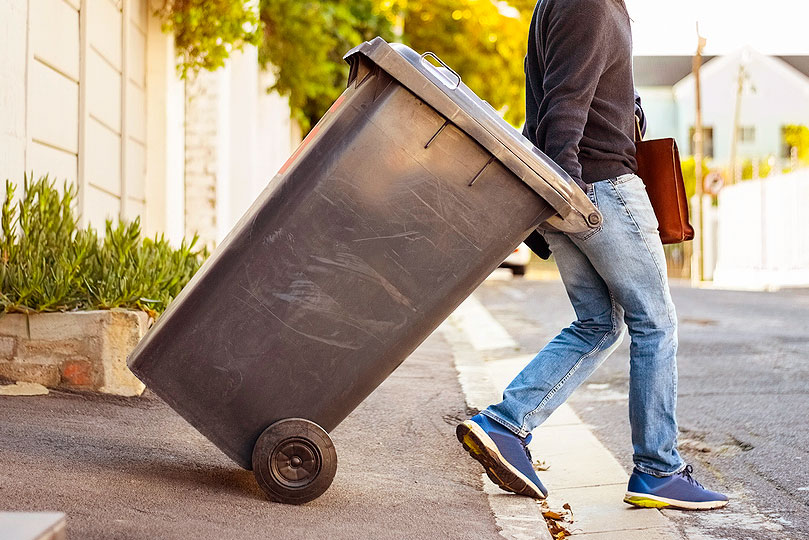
<point>580,98</point>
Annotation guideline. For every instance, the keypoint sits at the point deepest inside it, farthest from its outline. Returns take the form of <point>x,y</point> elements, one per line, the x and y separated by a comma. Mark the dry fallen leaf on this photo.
<point>557,530</point>
<point>553,519</point>
<point>567,507</point>
<point>540,465</point>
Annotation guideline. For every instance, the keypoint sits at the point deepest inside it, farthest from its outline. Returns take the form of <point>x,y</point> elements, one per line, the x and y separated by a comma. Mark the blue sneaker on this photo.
<point>679,490</point>
<point>503,454</point>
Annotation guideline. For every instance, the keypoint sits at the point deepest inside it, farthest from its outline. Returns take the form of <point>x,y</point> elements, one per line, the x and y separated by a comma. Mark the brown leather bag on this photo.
<point>659,168</point>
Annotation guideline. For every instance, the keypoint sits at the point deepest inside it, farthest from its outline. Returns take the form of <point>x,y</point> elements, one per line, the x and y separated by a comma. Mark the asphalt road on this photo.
<point>132,468</point>
<point>743,398</point>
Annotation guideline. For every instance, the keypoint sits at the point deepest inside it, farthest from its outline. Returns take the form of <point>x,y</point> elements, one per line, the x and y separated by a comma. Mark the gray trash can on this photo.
<point>399,203</point>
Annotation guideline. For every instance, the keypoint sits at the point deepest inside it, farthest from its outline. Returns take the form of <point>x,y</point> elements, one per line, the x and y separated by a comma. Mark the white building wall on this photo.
<point>52,100</point>
<point>202,154</point>
<point>775,95</point>
<point>661,113</point>
<point>237,136</point>
<point>113,110</point>
<point>14,29</point>
<point>74,94</point>
<point>757,240</point>
<point>90,94</point>
<point>278,134</point>
<point>244,149</point>
<point>165,129</point>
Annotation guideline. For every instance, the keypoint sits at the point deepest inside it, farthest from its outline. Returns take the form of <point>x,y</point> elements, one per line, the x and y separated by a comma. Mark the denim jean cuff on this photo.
<point>659,474</point>
<point>508,425</point>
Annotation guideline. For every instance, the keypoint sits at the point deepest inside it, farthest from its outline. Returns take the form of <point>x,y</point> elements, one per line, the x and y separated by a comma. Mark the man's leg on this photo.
<point>559,368</point>
<point>629,256</point>
<point>498,437</point>
<point>627,261</point>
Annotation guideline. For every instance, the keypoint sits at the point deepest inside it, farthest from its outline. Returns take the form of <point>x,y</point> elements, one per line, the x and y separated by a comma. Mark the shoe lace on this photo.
<point>686,474</point>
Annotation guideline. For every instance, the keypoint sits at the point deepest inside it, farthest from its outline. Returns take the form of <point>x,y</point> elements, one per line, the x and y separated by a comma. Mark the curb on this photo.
<point>582,472</point>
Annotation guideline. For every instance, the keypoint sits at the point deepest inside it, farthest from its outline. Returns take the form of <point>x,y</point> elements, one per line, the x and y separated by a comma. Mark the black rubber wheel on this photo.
<point>294,461</point>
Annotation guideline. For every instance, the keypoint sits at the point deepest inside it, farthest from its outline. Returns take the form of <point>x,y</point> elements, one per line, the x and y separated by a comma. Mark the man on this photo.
<point>580,111</point>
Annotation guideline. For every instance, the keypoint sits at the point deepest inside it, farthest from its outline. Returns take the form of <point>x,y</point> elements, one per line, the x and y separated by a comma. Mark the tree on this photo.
<point>207,31</point>
<point>483,40</point>
<point>304,42</point>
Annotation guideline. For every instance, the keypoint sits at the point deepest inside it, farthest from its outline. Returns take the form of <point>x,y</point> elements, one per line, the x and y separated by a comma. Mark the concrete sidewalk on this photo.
<point>582,472</point>
<point>132,468</point>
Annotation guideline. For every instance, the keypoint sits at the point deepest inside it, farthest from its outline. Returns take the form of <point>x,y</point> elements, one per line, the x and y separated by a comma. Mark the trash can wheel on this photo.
<point>294,461</point>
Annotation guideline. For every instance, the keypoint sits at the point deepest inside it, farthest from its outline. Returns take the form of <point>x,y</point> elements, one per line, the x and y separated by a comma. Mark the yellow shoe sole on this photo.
<point>644,502</point>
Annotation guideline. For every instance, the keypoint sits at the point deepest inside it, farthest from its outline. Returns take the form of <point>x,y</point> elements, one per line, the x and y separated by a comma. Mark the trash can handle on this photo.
<point>432,55</point>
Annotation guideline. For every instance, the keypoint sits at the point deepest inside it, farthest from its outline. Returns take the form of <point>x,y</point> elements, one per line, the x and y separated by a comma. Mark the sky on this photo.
<point>776,27</point>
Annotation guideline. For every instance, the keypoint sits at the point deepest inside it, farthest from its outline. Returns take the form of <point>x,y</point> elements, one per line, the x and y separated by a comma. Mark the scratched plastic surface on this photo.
<point>353,254</point>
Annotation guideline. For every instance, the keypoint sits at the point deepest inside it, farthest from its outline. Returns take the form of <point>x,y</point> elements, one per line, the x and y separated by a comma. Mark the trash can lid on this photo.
<point>443,89</point>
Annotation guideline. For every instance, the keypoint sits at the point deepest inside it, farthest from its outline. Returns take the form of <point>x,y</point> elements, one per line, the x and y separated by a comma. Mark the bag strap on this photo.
<point>638,130</point>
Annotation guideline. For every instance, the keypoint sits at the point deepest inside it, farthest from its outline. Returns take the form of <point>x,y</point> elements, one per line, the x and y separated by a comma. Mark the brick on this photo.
<point>46,375</point>
<point>123,333</point>
<point>79,350</point>
<point>31,349</point>
<point>8,347</point>
<point>76,372</point>
<point>62,326</point>
<point>39,358</point>
<point>13,325</point>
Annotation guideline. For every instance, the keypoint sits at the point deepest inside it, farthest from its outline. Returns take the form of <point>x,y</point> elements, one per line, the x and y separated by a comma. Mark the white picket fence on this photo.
<point>762,241</point>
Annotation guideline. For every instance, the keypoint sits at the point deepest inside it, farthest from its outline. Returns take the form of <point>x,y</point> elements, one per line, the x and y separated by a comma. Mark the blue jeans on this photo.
<point>615,277</point>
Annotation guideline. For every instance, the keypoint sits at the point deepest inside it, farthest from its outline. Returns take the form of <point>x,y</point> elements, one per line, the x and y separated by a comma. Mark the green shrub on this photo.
<point>48,264</point>
<point>764,168</point>
<point>797,136</point>
<point>689,166</point>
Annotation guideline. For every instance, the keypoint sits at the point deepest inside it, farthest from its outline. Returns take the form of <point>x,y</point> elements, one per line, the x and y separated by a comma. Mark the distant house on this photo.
<point>89,93</point>
<point>775,93</point>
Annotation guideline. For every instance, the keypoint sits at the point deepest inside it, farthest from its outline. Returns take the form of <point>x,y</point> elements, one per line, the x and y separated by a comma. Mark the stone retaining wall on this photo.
<point>77,351</point>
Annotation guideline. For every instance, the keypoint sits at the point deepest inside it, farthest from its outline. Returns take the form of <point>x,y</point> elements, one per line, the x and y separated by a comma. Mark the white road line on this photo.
<point>519,518</point>
<point>480,328</point>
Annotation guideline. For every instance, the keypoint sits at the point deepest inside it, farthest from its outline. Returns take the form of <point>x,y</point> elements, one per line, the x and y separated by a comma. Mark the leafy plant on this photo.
<point>689,166</point>
<point>484,41</point>
<point>130,272</point>
<point>304,40</point>
<point>797,136</point>
<point>207,31</point>
<point>43,253</point>
<point>48,264</point>
<point>764,168</point>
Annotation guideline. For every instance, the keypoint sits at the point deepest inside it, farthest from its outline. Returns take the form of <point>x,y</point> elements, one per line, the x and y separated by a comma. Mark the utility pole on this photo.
<point>697,255</point>
<point>734,141</point>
